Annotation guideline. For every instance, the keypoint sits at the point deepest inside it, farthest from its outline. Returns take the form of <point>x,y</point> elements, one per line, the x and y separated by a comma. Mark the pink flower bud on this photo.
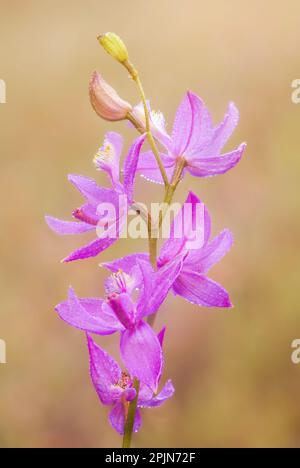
<point>105,100</point>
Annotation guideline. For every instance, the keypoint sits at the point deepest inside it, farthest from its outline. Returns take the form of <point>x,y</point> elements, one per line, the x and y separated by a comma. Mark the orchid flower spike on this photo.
<point>115,388</point>
<point>139,283</point>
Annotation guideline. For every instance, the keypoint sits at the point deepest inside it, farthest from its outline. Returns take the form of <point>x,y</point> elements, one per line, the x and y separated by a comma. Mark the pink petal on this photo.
<point>145,393</point>
<point>184,227</point>
<point>156,286</point>
<point>158,127</point>
<point>110,162</point>
<point>126,264</point>
<point>157,123</point>
<point>161,336</point>
<point>200,290</point>
<point>166,393</point>
<point>129,394</point>
<point>64,228</point>
<point>142,354</point>
<point>90,250</point>
<point>202,260</point>
<point>192,124</point>
<point>192,223</point>
<point>225,129</point>
<point>137,421</point>
<point>130,166</point>
<point>91,315</point>
<point>202,130</point>
<point>117,419</point>
<point>91,191</point>
<point>105,374</point>
<point>210,166</point>
<point>117,141</point>
<point>148,167</point>
<point>183,126</point>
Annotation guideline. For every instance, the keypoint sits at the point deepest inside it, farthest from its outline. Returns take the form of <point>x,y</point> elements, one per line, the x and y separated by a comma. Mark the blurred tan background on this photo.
<point>236,385</point>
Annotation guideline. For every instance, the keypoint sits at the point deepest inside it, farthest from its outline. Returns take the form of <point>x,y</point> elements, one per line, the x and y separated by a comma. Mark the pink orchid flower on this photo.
<point>194,138</point>
<point>120,197</point>
<point>190,278</point>
<point>115,387</point>
<point>139,346</point>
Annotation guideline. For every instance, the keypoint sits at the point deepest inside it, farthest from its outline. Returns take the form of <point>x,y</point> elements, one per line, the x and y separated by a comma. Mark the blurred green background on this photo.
<point>235,382</point>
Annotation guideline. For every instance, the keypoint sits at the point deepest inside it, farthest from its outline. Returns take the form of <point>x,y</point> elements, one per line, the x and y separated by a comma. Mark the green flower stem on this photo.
<point>129,425</point>
<point>170,189</point>
<point>135,76</point>
<point>152,244</point>
<point>167,202</point>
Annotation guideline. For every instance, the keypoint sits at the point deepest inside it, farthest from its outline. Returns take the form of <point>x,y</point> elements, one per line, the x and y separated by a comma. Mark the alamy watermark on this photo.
<point>2,352</point>
<point>2,342</point>
<point>296,91</point>
<point>161,221</point>
<point>295,357</point>
<point>2,92</point>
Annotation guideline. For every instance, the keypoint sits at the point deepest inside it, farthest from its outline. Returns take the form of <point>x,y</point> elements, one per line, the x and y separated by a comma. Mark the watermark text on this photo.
<point>2,352</point>
<point>2,92</point>
<point>185,222</point>
<point>296,353</point>
<point>296,91</point>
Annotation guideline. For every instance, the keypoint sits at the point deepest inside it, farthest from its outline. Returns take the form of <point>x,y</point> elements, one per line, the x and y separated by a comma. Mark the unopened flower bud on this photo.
<point>105,100</point>
<point>114,46</point>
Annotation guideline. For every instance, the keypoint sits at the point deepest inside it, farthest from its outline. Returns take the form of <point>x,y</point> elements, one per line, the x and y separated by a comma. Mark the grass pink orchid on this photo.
<point>140,349</point>
<point>190,279</point>
<point>139,283</point>
<point>194,139</point>
<point>120,197</point>
<point>115,388</point>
